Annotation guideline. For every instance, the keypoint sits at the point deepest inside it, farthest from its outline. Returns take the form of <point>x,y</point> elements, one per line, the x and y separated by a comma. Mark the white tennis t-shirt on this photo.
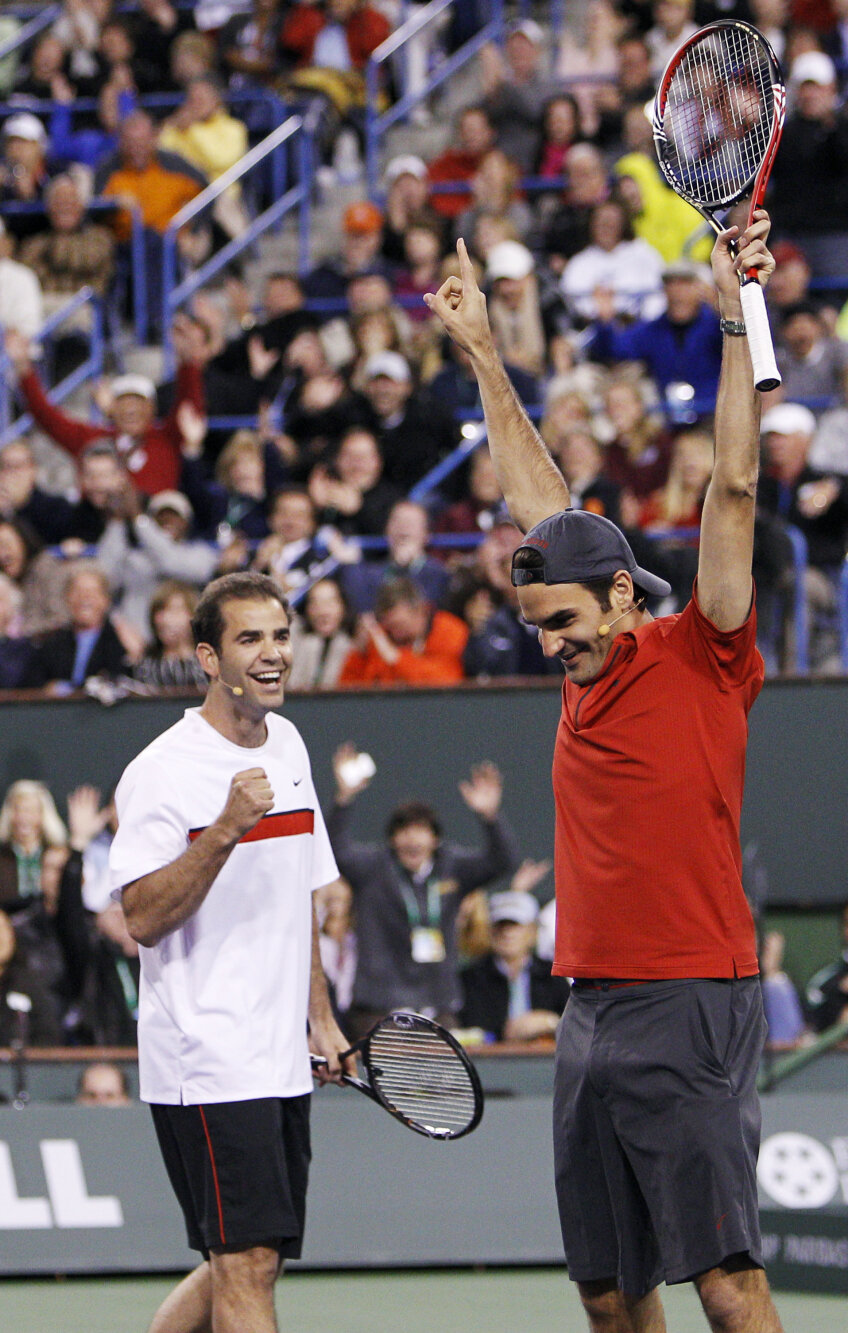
<point>223,1000</point>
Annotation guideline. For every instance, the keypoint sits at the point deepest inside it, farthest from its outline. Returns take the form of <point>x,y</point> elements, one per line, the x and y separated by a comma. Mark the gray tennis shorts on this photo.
<point>657,1129</point>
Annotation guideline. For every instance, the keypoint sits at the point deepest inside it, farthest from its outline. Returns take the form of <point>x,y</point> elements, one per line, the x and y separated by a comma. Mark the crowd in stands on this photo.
<point>417,921</point>
<point>599,298</point>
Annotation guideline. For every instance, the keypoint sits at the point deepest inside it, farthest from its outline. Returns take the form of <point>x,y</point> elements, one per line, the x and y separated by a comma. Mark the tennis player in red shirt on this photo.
<point>656,1117</point>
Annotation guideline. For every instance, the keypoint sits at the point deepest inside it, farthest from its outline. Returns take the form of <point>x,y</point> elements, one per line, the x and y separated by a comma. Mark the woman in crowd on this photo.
<point>495,190</point>
<point>170,661</point>
<point>639,451</point>
<point>29,824</point>
<point>321,637</point>
<point>38,574</point>
<point>33,1022</point>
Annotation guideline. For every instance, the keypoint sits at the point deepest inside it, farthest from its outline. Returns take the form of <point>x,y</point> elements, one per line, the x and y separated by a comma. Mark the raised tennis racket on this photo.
<point>421,1075</point>
<point>718,118</point>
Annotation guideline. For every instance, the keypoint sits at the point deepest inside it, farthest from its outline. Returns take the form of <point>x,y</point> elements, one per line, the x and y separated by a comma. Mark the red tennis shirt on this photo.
<point>648,775</point>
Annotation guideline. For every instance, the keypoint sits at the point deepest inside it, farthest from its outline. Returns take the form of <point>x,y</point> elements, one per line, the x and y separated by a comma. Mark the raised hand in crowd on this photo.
<point>529,874</point>
<point>86,817</point>
<point>193,428</point>
<point>483,791</point>
<point>346,790</point>
<point>17,350</point>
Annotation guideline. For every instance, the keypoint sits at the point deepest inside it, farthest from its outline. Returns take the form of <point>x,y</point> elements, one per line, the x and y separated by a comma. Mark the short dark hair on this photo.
<point>207,623</point>
<point>412,812</point>
<point>396,592</point>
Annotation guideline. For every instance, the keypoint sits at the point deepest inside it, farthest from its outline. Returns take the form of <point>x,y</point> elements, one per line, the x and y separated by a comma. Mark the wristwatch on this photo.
<point>734,327</point>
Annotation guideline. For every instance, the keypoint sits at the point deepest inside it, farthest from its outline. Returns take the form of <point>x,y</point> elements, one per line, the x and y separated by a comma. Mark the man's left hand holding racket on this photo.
<point>736,252</point>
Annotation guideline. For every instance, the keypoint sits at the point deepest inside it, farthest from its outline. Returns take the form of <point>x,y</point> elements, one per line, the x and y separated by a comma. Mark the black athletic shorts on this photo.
<point>239,1171</point>
<point>657,1129</point>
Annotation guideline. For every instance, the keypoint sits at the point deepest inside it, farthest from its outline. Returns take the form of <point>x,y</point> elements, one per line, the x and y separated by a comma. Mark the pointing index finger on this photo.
<point>466,268</point>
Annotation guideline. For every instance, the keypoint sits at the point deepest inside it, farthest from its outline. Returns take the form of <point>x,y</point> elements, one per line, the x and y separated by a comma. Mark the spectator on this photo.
<point>816,503</point>
<point>494,637</point>
<point>234,501</point>
<point>337,941</point>
<point>405,641</point>
<point>812,362</point>
<point>139,550</point>
<point>680,348</point>
<point>510,992</point>
<point>102,481</point>
<point>170,662</point>
<point>29,824</point>
<point>827,992</point>
<point>362,238</point>
<point>89,646</point>
<point>350,492</point>
<point>73,252</point>
<point>582,462</point>
<point>27,1016</point>
<point>15,649</point>
<point>45,77</point>
<point>781,1005</point>
<point>249,45</point>
<point>150,449</point>
<point>25,170</point>
<point>21,496</point>
<point>191,53</point>
<point>639,452</point>
<point>494,193</point>
<point>672,25</point>
<point>626,267</point>
<point>474,136</point>
<point>407,892</point>
<point>814,148</point>
<point>483,505</point>
<point>560,130</point>
<point>588,58</point>
<point>659,216</point>
<point>103,1084</point>
<point>407,534</point>
<point>321,637</point>
<point>157,25</point>
<point>295,550</point>
<point>455,386</point>
<point>415,431</point>
<point>678,504</point>
<point>515,310</point>
<point>78,29</point>
<point>202,132</point>
<point>422,271</point>
<point>566,229</point>
<point>407,190</point>
<point>633,85</point>
<point>790,281</point>
<point>21,298</point>
<point>156,182</point>
<point>516,88</point>
<point>36,573</point>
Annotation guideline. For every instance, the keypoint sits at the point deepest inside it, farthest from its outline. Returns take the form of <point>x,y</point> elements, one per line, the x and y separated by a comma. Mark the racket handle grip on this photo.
<point>766,374</point>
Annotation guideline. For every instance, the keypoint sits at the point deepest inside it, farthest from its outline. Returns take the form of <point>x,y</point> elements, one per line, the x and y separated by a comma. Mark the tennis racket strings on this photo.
<point>422,1078</point>
<point>718,116</point>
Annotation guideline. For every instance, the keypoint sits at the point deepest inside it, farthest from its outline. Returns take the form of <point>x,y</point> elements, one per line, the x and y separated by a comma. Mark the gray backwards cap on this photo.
<point>576,546</point>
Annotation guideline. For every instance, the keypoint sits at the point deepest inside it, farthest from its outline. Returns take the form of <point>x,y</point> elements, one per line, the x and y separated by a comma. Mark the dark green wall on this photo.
<point>424,742</point>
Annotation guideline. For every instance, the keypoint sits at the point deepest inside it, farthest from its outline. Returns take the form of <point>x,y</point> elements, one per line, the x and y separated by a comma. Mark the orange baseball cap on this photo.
<point>362,218</point>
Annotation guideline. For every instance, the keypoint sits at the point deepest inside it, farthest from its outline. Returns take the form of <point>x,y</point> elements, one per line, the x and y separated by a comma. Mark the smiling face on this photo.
<point>567,616</point>
<point>255,656</point>
<point>414,846</point>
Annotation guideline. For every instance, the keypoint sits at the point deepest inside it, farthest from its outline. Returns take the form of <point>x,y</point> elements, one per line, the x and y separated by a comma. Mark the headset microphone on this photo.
<point>603,630</point>
<point>234,689</point>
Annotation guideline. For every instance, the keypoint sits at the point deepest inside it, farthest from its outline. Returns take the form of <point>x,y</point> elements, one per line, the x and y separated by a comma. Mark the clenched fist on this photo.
<point>250,797</point>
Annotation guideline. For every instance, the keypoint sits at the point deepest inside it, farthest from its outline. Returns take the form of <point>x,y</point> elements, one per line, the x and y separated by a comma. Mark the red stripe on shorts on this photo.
<point>288,824</point>
<point>214,1176</point>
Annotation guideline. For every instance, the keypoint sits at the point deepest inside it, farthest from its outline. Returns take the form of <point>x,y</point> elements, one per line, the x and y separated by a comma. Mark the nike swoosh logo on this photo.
<point>297,781</point>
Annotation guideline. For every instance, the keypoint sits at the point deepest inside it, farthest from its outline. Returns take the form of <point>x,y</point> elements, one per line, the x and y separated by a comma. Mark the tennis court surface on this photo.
<point>523,1300</point>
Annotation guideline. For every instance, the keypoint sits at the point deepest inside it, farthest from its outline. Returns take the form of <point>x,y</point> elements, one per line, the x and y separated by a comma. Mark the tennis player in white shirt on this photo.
<point>220,846</point>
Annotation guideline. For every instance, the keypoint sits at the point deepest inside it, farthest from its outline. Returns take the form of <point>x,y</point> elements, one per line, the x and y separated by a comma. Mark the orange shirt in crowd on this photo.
<point>438,663</point>
<point>160,194</point>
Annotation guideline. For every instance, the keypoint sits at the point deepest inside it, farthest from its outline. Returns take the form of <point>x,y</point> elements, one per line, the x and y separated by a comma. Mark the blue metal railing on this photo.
<point>33,28</point>
<point>175,294</point>
<point>92,365</point>
<point>377,123</point>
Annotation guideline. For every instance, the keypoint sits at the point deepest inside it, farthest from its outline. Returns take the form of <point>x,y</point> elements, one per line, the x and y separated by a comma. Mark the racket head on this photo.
<point>718,117</point>
<point>419,1072</point>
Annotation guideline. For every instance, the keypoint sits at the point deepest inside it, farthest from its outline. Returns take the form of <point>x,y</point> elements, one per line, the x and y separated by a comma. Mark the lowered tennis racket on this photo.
<point>718,118</point>
<point>420,1074</point>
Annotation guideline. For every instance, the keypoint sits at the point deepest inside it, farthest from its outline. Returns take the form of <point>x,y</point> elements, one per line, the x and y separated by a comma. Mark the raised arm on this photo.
<point>727,523</point>
<point>533,485</point>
